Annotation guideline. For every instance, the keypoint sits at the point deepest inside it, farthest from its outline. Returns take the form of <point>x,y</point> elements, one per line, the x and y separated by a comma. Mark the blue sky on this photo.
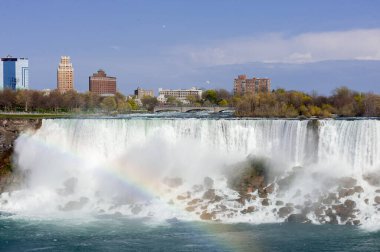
<point>204,43</point>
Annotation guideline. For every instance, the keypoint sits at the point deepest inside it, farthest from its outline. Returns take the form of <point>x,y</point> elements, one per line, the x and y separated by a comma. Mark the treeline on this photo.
<point>68,102</point>
<point>282,103</point>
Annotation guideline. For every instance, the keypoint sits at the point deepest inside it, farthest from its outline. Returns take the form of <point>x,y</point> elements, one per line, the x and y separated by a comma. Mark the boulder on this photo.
<point>347,182</point>
<point>346,192</point>
<point>284,211</point>
<point>209,194</point>
<point>249,209</point>
<point>207,216</point>
<point>377,200</point>
<point>372,178</point>
<point>279,203</point>
<point>358,189</point>
<point>298,218</point>
<point>265,202</point>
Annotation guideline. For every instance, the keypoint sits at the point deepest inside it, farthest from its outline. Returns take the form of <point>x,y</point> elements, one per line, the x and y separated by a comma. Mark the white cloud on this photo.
<point>276,47</point>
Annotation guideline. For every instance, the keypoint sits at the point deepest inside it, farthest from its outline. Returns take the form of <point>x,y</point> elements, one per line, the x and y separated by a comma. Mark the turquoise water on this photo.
<point>122,234</point>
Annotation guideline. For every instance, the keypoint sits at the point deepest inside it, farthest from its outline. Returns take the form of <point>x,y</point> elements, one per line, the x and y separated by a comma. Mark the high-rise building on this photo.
<point>140,93</point>
<point>14,73</point>
<point>101,84</point>
<point>65,75</point>
<point>243,86</point>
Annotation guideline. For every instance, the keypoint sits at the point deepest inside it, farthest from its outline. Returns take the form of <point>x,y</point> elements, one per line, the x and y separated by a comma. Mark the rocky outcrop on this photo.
<point>10,129</point>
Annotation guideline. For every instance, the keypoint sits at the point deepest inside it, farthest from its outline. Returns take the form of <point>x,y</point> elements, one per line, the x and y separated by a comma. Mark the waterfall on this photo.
<point>100,165</point>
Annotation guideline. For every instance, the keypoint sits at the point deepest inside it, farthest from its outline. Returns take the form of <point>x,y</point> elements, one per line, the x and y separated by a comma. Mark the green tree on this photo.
<point>108,104</point>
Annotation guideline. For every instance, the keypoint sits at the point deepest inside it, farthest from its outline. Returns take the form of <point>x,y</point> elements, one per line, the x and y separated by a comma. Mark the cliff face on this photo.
<point>10,129</point>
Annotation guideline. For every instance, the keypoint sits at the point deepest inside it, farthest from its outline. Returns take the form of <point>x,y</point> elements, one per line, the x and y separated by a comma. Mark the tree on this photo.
<point>108,104</point>
<point>211,96</point>
<point>171,100</point>
<point>149,102</point>
<point>123,106</point>
<point>223,103</point>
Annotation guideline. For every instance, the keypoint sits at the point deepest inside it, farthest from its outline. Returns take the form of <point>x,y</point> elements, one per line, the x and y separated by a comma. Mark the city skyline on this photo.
<point>176,44</point>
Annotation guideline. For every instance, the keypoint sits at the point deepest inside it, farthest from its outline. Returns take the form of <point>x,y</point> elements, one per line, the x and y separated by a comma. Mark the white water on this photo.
<point>110,163</point>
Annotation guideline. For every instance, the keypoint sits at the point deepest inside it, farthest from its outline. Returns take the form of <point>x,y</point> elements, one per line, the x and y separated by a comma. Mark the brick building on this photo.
<point>243,86</point>
<point>101,84</point>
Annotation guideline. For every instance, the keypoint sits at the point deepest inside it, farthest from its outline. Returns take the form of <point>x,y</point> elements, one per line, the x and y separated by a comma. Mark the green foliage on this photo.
<point>108,104</point>
<point>223,103</point>
<point>149,102</point>
<point>133,104</point>
<point>210,95</point>
<point>282,103</point>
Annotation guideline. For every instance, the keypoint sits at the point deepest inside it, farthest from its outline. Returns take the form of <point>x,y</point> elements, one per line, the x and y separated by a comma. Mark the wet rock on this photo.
<point>289,205</point>
<point>332,217</point>
<point>207,216</point>
<point>372,178</point>
<point>377,191</point>
<point>298,207</point>
<point>173,182</point>
<point>194,201</point>
<point>347,182</point>
<point>298,218</point>
<point>217,198</point>
<point>366,201</point>
<point>265,202</point>
<point>358,189</point>
<point>377,199</point>
<point>279,203</point>
<point>208,183</point>
<point>190,208</point>
<point>248,176</point>
<point>209,194</point>
<point>284,211</point>
<point>346,192</point>
<point>249,209</point>
<point>345,211</point>
<point>356,222</point>
<point>74,205</point>
<point>263,194</point>
<point>183,197</point>
<point>270,189</point>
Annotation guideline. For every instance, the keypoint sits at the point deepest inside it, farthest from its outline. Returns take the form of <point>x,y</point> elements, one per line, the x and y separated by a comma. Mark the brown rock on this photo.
<point>346,192</point>
<point>249,209</point>
<point>190,208</point>
<point>207,216</point>
<point>270,188</point>
<point>194,201</point>
<point>347,182</point>
<point>358,189</point>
